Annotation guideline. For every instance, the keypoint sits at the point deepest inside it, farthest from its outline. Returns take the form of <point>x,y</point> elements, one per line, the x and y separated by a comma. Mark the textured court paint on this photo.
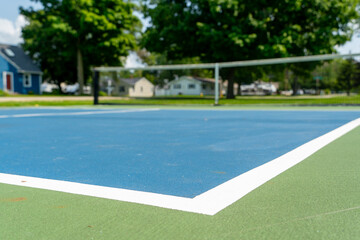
<point>317,199</point>
<point>176,153</point>
<point>210,202</point>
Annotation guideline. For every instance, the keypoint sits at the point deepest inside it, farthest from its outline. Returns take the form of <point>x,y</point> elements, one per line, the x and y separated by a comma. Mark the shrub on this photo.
<point>2,93</point>
<point>101,93</point>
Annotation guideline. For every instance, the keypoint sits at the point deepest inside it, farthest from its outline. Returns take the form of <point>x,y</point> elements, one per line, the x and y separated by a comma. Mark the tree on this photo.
<point>325,76</point>
<point>349,76</point>
<point>232,30</point>
<point>70,36</point>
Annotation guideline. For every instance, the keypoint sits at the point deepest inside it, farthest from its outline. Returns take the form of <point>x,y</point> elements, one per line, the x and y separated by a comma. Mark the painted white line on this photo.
<point>76,113</point>
<point>229,192</point>
<point>95,191</point>
<point>210,202</point>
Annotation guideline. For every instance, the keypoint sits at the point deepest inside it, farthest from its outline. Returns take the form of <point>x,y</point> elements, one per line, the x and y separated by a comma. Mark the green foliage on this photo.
<point>2,93</point>
<point>327,74</point>
<point>100,32</point>
<point>349,77</point>
<point>101,93</point>
<point>219,30</point>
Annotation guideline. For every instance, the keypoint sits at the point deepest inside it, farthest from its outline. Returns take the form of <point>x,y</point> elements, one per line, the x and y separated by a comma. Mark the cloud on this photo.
<point>10,33</point>
<point>350,47</point>
<point>133,60</point>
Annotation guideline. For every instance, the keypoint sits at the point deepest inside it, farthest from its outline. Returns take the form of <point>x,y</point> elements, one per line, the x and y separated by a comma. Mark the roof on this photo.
<point>131,81</point>
<point>204,80</point>
<point>17,57</point>
<point>208,80</point>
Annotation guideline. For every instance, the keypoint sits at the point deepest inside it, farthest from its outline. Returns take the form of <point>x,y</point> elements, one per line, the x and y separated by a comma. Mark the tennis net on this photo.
<point>331,79</point>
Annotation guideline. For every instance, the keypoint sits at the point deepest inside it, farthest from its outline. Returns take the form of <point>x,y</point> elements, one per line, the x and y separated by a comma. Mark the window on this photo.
<point>9,52</point>
<point>203,86</point>
<point>141,89</point>
<point>177,86</point>
<point>191,86</point>
<point>121,89</point>
<point>27,80</point>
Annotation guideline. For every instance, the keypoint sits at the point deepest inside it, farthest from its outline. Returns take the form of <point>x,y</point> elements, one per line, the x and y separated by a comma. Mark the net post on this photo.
<point>96,86</point>
<point>216,84</point>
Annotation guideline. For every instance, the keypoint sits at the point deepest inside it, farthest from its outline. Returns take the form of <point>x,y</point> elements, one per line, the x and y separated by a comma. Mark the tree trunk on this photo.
<point>286,79</point>
<point>80,71</point>
<point>239,89</point>
<point>59,85</point>
<point>230,87</point>
<point>115,82</point>
<point>295,86</point>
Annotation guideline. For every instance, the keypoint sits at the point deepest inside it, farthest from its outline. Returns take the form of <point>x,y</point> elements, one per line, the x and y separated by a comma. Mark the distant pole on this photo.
<point>216,83</point>
<point>109,87</point>
<point>317,86</point>
<point>96,87</point>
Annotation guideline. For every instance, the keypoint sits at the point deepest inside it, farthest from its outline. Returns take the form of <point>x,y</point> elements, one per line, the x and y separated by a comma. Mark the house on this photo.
<point>18,73</point>
<point>132,87</point>
<point>188,85</point>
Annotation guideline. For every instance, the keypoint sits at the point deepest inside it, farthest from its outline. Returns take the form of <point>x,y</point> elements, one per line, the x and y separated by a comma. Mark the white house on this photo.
<point>132,87</point>
<point>187,85</point>
<point>141,87</point>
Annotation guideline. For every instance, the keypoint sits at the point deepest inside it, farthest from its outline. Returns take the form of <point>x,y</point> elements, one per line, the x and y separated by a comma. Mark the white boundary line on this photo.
<point>76,113</point>
<point>210,202</point>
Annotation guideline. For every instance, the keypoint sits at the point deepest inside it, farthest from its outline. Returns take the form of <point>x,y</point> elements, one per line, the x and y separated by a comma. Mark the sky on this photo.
<point>11,22</point>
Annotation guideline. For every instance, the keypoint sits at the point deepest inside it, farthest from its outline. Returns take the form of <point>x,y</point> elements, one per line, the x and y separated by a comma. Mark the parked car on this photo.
<point>48,87</point>
<point>74,89</point>
<point>71,89</point>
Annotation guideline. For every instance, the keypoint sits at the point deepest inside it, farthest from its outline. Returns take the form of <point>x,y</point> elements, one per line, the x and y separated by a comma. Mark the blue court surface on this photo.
<point>173,152</point>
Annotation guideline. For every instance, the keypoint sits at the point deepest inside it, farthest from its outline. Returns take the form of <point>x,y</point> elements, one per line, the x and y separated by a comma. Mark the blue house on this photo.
<point>18,73</point>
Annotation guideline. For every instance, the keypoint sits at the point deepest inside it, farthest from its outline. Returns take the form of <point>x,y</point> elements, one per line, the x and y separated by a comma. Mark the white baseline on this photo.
<point>210,202</point>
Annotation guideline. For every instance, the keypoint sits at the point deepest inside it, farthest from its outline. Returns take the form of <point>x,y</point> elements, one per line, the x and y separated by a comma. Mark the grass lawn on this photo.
<point>45,103</point>
<point>184,100</point>
<point>242,100</point>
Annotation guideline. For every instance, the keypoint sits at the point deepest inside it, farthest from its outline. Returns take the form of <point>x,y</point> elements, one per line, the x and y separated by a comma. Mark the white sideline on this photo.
<point>210,202</point>
<point>76,113</point>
